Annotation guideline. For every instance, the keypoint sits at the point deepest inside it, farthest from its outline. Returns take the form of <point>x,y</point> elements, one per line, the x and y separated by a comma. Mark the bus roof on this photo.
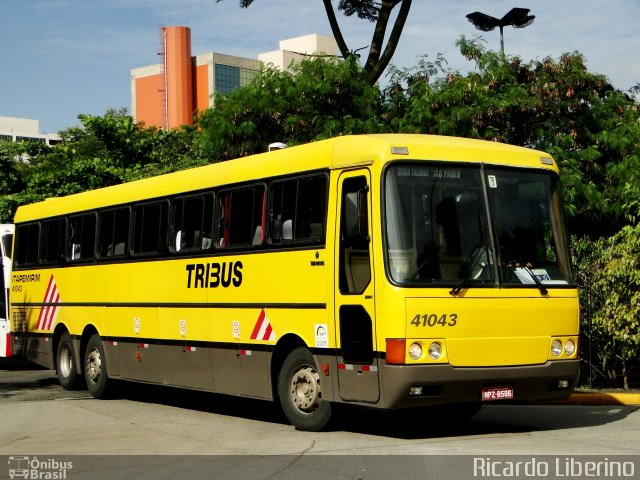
<point>338,152</point>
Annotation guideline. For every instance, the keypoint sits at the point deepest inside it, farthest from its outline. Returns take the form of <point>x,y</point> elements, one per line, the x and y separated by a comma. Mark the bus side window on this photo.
<point>81,237</point>
<point>52,241</point>
<point>114,232</point>
<point>241,217</point>
<point>191,223</point>
<point>27,244</point>
<point>150,228</point>
<point>298,209</point>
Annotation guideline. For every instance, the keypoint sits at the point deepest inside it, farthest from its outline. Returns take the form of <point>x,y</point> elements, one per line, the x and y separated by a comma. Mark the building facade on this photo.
<point>15,129</point>
<point>169,94</point>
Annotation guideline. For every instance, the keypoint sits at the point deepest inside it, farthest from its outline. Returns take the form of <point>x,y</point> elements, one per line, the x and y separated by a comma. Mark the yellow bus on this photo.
<point>391,271</point>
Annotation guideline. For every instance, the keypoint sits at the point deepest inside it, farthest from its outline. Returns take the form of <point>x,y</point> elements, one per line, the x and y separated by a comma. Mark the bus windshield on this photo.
<point>448,225</point>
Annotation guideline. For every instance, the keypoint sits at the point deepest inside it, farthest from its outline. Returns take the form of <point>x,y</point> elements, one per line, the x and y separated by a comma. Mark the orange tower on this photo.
<point>177,73</point>
<point>163,96</point>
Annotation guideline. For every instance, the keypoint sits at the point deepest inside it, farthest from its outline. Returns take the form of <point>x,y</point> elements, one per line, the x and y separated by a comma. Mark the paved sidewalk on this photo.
<point>595,397</point>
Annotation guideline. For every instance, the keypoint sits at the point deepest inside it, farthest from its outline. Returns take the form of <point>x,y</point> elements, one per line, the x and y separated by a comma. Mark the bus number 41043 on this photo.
<point>433,319</point>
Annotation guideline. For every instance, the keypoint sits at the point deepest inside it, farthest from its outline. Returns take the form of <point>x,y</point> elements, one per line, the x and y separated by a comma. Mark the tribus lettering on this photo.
<point>212,275</point>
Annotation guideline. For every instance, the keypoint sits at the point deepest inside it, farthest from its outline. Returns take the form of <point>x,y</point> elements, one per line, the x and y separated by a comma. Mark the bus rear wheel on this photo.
<point>66,363</point>
<point>300,392</point>
<point>95,368</point>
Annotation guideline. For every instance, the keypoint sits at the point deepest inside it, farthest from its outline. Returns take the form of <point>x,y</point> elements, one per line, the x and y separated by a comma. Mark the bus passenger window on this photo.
<point>114,232</point>
<point>52,241</point>
<point>82,237</point>
<point>149,228</point>
<point>298,210</point>
<point>27,244</point>
<point>240,215</point>
<point>192,223</point>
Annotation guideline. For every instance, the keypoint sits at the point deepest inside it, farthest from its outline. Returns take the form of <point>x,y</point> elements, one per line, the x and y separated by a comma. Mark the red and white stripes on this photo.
<point>49,311</point>
<point>262,329</point>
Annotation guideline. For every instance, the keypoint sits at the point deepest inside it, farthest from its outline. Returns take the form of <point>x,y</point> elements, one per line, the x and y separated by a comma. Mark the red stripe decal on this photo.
<point>258,325</point>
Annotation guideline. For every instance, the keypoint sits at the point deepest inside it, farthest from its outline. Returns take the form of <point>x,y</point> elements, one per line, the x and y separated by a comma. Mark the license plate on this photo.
<point>497,393</point>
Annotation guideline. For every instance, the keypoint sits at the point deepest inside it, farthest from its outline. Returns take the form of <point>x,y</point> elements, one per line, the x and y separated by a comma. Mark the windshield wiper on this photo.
<point>473,261</point>
<point>536,280</point>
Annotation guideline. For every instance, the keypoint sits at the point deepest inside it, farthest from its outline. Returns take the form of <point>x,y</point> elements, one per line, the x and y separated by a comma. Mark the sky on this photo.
<point>62,58</point>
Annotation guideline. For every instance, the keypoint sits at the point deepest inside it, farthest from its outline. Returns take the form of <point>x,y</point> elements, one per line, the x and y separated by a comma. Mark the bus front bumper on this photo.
<point>420,385</point>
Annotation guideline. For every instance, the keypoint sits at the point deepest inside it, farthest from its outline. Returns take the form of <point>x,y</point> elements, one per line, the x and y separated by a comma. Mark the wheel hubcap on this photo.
<point>94,365</point>
<point>305,389</point>
<point>66,361</point>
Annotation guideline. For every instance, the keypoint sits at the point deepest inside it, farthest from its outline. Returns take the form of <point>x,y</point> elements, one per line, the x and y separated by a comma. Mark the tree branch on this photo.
<point>335,29</point>
<point>375,70</point>
<point>378,34</point>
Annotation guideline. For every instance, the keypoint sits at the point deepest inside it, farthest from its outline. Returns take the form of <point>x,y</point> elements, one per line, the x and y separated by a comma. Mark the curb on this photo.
<point>601,398</point>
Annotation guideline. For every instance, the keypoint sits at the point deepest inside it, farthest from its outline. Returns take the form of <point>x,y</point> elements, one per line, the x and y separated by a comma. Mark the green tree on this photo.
<point>379,12</point>
<point>104,151</point>
<point>592,129</point>
<point>608,271</point>
<point>321,98</point>
<point>11,182</point>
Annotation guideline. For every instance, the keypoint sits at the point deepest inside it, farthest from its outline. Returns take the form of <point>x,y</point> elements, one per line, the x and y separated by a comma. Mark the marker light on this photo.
<point>415,351</point>
<point>556,347</point>
<point>435,351</point>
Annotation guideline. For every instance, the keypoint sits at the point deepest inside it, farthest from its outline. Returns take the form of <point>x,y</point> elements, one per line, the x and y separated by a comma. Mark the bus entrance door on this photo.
<point>357,363</point>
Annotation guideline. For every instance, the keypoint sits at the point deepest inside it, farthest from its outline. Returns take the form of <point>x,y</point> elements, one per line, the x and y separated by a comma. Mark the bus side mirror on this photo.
<point>356,216</point>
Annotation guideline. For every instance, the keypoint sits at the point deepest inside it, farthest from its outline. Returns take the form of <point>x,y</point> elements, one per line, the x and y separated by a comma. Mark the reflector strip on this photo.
<point>245,353</point>
<point>190,349</point>
<point>363,368</point>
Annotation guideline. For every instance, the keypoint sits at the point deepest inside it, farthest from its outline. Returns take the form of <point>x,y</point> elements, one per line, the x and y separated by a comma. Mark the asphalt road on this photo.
<point>146,427</point>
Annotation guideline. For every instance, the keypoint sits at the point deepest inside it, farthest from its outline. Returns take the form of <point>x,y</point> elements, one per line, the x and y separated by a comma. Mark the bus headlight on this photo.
<point>435,351</point>
<point>556,347</point>
<point>569,347</point>
<point>415,351</point>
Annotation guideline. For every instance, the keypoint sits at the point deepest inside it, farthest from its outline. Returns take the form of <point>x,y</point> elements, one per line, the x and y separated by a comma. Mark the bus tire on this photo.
<point>66,365</point>
<point>95,367</point>
<point>299,390</point>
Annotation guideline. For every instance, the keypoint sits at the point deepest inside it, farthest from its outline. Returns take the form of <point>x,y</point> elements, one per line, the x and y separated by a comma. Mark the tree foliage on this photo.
<point>558,106</point>
<point>104,151</point>
<point>319,99</point>
<point>608,270</point>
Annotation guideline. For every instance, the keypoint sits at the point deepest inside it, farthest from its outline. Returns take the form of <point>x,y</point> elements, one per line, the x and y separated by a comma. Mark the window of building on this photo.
<point>228,78</point>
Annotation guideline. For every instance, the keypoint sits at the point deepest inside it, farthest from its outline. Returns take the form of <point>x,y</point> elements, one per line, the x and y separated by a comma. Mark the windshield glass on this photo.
<point>438,229</point>
<point>528,219</point>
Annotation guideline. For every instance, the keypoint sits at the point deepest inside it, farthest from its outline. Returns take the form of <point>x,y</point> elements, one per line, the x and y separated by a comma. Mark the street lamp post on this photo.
<point>516,17</point>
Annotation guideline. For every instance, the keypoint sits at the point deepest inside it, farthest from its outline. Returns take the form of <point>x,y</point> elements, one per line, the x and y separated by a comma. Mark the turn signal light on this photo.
<point>396,348</point>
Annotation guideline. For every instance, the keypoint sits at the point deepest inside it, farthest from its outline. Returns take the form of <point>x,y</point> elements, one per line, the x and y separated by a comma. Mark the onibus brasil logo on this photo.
<point>38,469</point>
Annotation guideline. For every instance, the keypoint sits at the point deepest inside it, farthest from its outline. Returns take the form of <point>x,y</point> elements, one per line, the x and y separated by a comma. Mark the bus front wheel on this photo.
<point>95,367</point>
<point>300,392</point>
